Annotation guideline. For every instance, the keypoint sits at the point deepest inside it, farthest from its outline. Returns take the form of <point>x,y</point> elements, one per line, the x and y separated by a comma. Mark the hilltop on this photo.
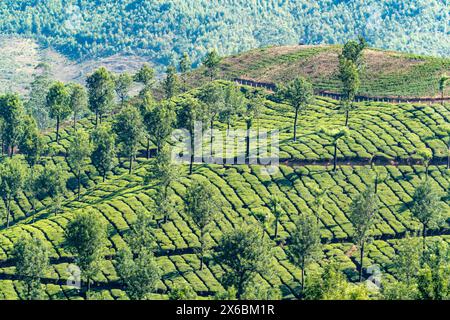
<point>384,73</point>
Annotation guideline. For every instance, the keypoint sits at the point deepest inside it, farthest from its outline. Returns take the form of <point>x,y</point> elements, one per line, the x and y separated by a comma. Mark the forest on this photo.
<point>163,30</point>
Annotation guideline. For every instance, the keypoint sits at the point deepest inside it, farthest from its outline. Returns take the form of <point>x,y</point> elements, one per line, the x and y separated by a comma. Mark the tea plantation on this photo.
<point>390,134</point>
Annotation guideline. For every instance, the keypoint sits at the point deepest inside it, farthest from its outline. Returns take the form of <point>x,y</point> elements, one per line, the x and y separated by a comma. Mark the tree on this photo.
<point>128,127</point>
<point>123,84</point>
<point>171,83</point>
<point>349,75</point>
<point>190,112</point>
<point>78,151</point>
<point>12,180</point>
<point>305,246</point>
<point>317,205</point>
<point>211,62</point>
<point>299,94</point>
<point>103,150</point>
<point>202,206</point>
<point>12,113</point>
<point>31,144</point>
<point>146,76</point>
<point>185,68</point>
<point>159,121</point>
<point>406,262</point>
<point>277,211</point>
<point>363,211</point>
<point>233,106</point>
<point>426,155</point>
<point>165,172</point>
<point>100,87</point>
<point>37,98</point>
<point>58,98</point>
<point>212,96</point>
<point>252,112</point>
<point>78,101</point>
<point>140,274</point>
<point>336,135</point>
<point>51,182</point>
<point>244,253</point>
<point>433,280</point>
<point>85,237</point>
<point>31,259</point>
<point>140,236</point>
<point>353,51</point>
<point>443,82</point>
<point>426,207</point>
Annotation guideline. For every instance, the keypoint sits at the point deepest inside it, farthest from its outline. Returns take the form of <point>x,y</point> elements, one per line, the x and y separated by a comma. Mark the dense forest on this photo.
<point>163,29</point>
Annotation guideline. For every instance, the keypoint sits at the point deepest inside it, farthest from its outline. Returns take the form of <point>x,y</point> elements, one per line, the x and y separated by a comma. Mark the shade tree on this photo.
<point>103,150</point>
<point>101,86</point>
<point>58,104</point>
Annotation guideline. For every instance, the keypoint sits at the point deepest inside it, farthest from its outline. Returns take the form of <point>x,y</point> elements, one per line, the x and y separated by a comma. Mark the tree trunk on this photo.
<point>346,118</point>
<point>148,148</point>
<point>8,212</point>
<point>295,124</point>
<point>276,228</point>
<point>361,262</point>
<point>448,156</point>
<point>424,237</point>
<point>212,137</point>
<point>130,169</point>
<point>79,185</point>
<point>104,176</point>
<point>74,121</point>
<point>57,129</point>
<point>335,158</point>
<point>303,275</point>
<point>96,119</point>
<point>247,139</point>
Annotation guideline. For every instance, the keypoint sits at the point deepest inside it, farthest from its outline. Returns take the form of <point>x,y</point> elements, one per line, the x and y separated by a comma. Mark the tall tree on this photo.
<point>58,98</point>
<point>353,51</point>
<point>31,144</point>
<point>123,84</point>
<point>128,127</point>
<point>244,253</point>
<point>12,180</point>
<point>37,98</point>
<point>100,87</point>
<point>51,182</point>
<point>426,207</point>
<point>251,113</point>
<point>159,121</point>
<point>349,75</point>
<point>12,114</point>
<point>299,93</point>
<point>212,96</point>
<point>185,68</point>
<point>171,83</point>
<point>305,244</point>
<point>202,206</point>
<point>336,135</point>
<point>78,101</point>
<point>140,274</point>
<point>146,76</point>
<point>444,133</point>
<point>363,211</point>
<point>234,105</point>
<point>103,150</point>
<point>31,259</point>
<point>140,237</point>
<point>211,62</point>
<point>85,237</point>
<point>277,211</point>
<point>78,151</point>
<point>190,112</point>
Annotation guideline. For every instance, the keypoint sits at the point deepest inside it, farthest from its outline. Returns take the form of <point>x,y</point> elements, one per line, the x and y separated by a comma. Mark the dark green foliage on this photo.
<point>78,151</point>
<point>58,104</point>
<point>244,252</point>
<point>78,101</point>
<point>31,144</point>
<point>123,84</point>
<point>31,260</point>
<point>103,149</point>
<point>100,87</point>
<point>12,181</point>
<point>171,82</point>
<point>129,129</point>
<point>85,237</point>
<point>12,119</point>
<point>211,62</point>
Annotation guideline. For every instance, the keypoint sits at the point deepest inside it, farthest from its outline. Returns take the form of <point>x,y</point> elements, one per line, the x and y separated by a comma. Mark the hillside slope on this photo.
<point>385,73</point>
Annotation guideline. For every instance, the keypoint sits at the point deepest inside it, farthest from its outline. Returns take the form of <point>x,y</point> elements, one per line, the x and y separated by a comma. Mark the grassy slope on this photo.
<point>386,73</point>
<point>245,191</point>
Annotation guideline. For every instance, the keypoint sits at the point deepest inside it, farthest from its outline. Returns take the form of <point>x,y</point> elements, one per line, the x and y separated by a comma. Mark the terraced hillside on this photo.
<point>390,132</point>
<point>385,73</point>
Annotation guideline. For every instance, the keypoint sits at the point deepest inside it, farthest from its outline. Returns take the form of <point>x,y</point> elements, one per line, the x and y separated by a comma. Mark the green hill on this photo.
<point>385,73</point>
